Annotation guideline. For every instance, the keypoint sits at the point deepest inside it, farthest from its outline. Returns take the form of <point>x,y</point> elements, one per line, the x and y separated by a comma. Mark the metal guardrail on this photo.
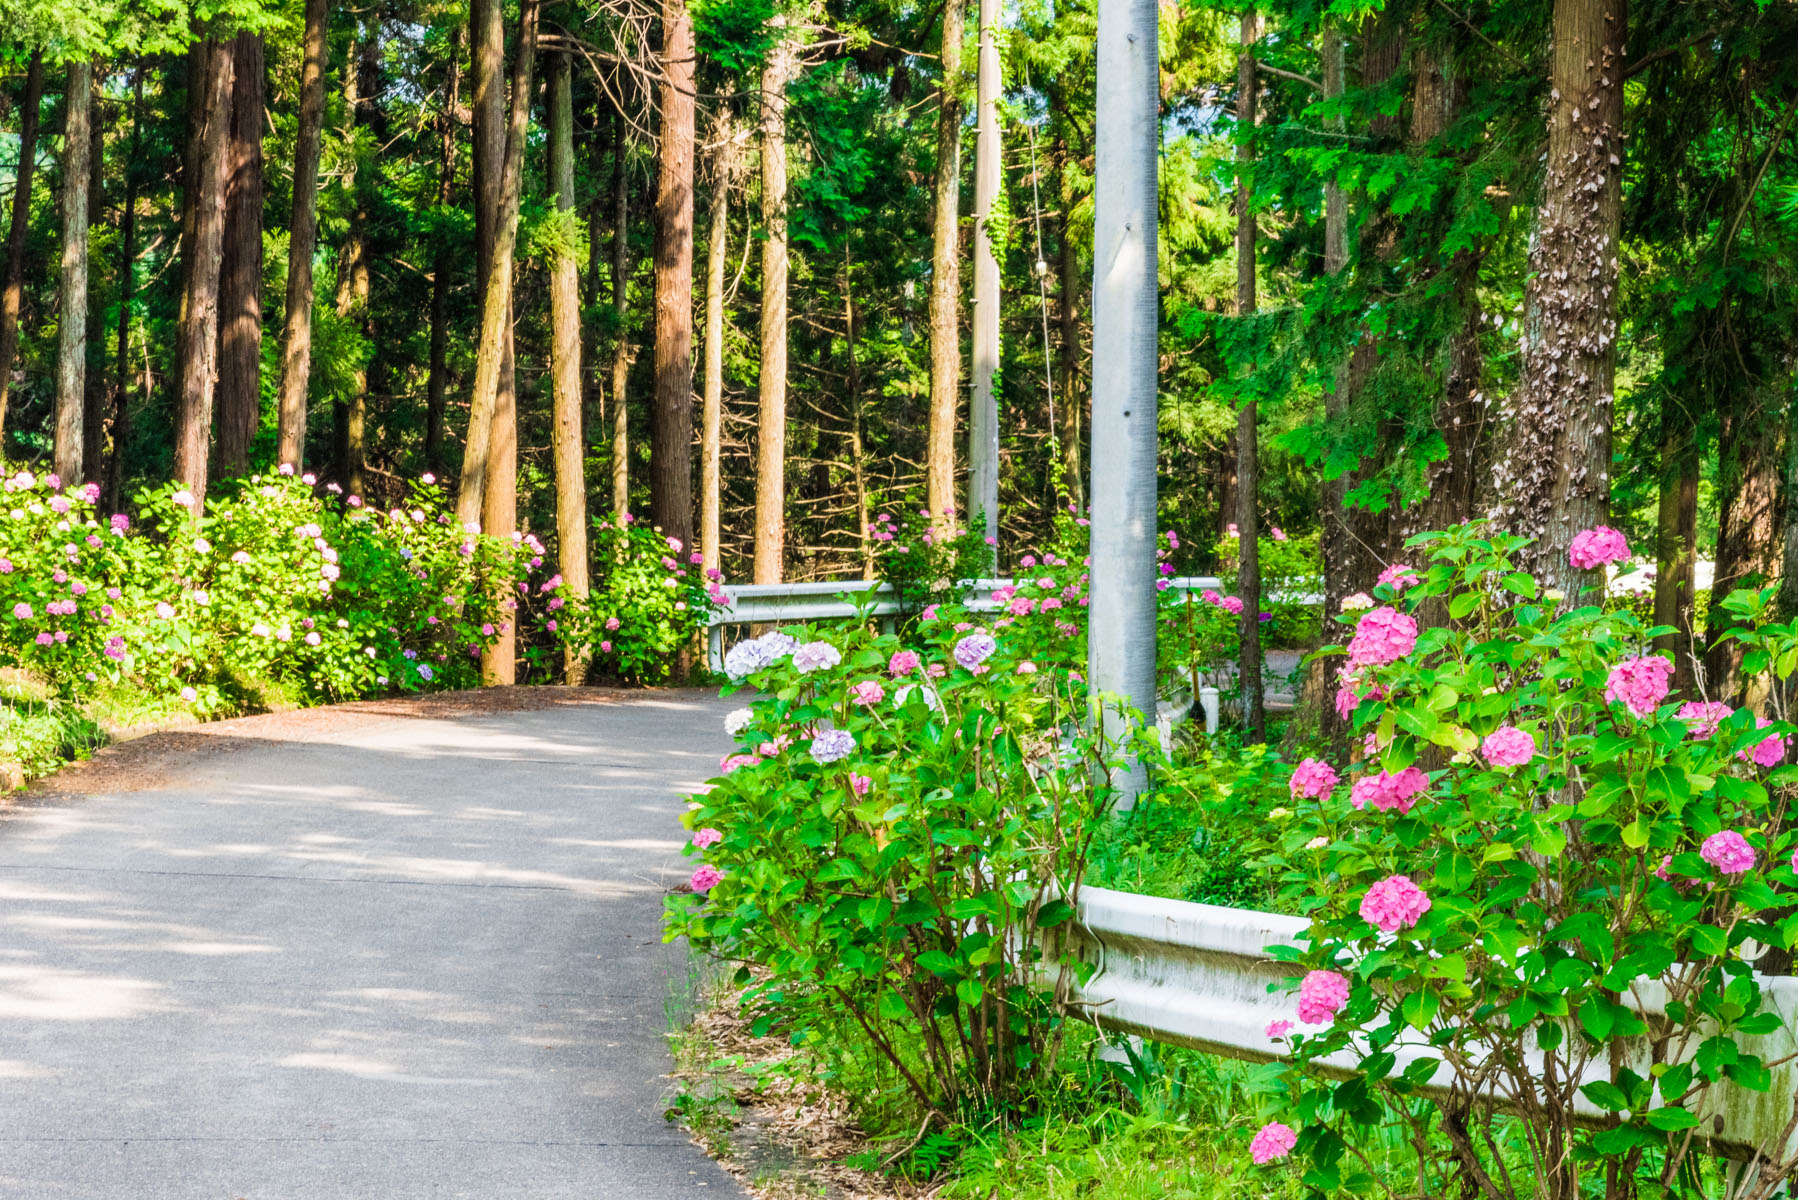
<point>1199,975</point>
<point>828,600</point>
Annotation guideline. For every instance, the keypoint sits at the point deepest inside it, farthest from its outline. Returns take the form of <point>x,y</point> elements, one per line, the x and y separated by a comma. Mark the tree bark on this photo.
<point>671,425</point>
<point>12,293</point>
<point>623,353</point>
<point>945,277</point>
<point>1554,479</point>
<point>361,84</point>
<point>853,383</point>
<point>1126,294</point>
<point>490,466</point>
<point>199,318</point>
<point>437,387</point>
<point>121,411</point>
<point>1676,536</point>
<point>712,417</point>
<point>565,368</point>
<point>1248,495</point>
<point>93,404</point>
<point>71,365</point>
<point>240,274</point>
<point>983,410</point>
<point>296,329</point>
<point>771,418</point>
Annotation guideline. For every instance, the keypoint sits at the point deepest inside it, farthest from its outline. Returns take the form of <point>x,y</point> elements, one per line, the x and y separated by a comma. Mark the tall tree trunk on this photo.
<point>71,366</point>
<point>12,292</point>
<point>1248,484</point>
<point>1074,398</point>
<point>565,367</point>
<point>1676,536</point>
<point>121,411</point>
<point>437,388</point>
<point>240,275</point>
<point>490,465</point>
<point>487,81</point>
<point>1127,134</point>
<point>671,425</point>
<point>945,276</point>
<point>361,84</point>
<point>623,353</point>
<point>93,403</point>
<point>296,329</point>
<point>983,409</point>
<point>712,417</point>
<point>1554,479</point>
<point>199,317</point>
<point>771,418</point>
<point>1747,524</point>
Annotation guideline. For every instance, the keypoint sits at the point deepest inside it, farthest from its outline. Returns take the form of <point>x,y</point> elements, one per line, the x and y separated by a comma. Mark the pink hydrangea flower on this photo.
<point>1278,1029</point>
<point>1640,684</point>
<point>1393,904</point>
<point>22,611</point>
<point>1389,791</point>
<point>1728,851</point>
<point>974,649</point>
<point>189,695</point>
<point>1322,994</point>
<point>731,762</point>
<point>1704,717</point>
<point>1383,636</point>
<point>1768,752</point>
<point>1509,746</point>
<point>705,879</point>
<point>1026,668</point>
<point>861,783</point>
<point>903,662</point>
<point>1312,778</point>
<point>867,692</point>
<point>1593,548</point>
<point>1399,576</point>
<point>706,837</point>
<point>1232,604</point>
<point>1664,870</point>
<point>1272,1141</point>
<point>164,609</point>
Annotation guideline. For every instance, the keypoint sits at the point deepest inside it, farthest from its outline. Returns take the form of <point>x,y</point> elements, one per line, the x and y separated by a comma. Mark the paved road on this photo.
<point>406,957</point>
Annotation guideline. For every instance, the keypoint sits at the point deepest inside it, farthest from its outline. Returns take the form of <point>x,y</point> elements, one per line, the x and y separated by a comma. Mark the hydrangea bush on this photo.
<point>901,824</point>
<point>650,603</point>
<point>1541,886</point>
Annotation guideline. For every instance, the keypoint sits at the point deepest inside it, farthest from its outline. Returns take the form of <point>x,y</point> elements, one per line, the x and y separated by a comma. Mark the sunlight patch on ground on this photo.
<point>47,994</point>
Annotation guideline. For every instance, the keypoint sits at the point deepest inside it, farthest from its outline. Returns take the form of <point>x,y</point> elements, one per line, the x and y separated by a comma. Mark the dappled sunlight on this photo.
<point>13,1069</point>
<point>462,870</point>
<point>37,993</point>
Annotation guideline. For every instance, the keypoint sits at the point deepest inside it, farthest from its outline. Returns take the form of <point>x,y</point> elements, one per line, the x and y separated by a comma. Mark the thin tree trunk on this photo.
<point>671,425</point>
<point>121,411</point>
<point>1121,642</point>
<point>487,79</point>
<point>1676,535</point>
<point>199,318</point>
<point>93,403</point>
<point>945,277</point>
<point>1554,480</point>
<point>437,388</point>
<point>353,267</point>
<point>13,292</point>
<point>983,410</point>
<point>240,275</point>
<point>622,351</point>
<point>712,416</point>
<point>71,366</point>
<point>771,418</point>
<point>565,355</point>
<point>853,381</point>
<point>1074,398</point>
<point>1248,516</point>
<point>296,329</point>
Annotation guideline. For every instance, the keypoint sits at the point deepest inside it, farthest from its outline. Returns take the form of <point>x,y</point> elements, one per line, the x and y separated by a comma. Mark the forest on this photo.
<point>761,270</point>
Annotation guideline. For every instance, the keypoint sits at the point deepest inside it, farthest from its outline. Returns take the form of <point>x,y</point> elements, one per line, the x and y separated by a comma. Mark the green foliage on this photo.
<point>649,605</point>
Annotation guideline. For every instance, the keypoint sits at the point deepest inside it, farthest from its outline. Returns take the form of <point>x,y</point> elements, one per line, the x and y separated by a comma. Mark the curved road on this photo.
<point>371,953</point>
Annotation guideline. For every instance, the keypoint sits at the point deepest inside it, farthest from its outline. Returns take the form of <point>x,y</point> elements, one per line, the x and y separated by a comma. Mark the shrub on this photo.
<point>649,605</point>
<point>1542,884</point>
<point>924,568</point>
<point>901,823</point>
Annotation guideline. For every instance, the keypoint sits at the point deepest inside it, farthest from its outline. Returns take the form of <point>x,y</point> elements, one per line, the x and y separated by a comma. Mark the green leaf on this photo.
<point>1419,1009</point>
<point>1635,834</point>
<point>1670,1120</point>
<point>1606,1095</point>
